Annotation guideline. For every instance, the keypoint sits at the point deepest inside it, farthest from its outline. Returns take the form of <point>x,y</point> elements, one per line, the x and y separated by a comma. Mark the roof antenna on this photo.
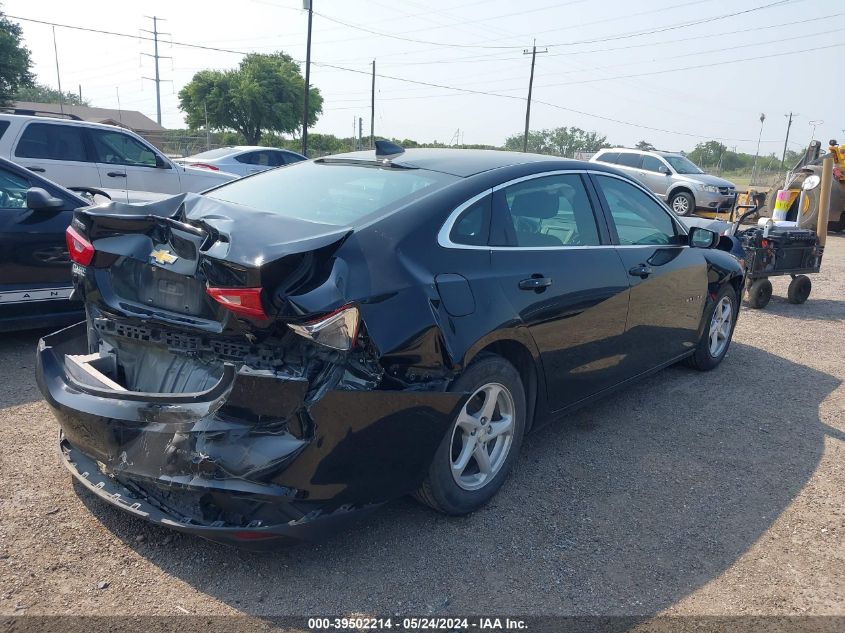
<point>388,150</point>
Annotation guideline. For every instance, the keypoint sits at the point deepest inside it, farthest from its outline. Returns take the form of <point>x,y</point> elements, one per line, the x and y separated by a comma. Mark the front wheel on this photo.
<point>759,293</point>
<point>682,203</point>
<point>799,289</point>
<point>718,331</point>
<point>474,458</point>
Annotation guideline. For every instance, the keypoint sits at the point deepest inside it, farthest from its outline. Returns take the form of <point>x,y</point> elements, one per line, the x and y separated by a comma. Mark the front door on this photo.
<point>668,279</point>
<point>127,163</point>
<point>34,264</point>
<point>653,178</point>
<point>564,280</point>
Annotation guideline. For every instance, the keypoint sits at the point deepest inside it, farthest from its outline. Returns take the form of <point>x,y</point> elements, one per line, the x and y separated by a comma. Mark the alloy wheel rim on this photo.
<point>482,436</point>
<point>680,205</point>
<point>720,327</point>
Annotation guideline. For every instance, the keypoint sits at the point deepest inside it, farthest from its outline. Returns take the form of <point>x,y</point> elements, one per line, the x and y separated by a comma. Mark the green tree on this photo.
<point>42,93</point>
<point>15,62</point>
<point>263,95</point>
<point>645,146</point>
<point>707,154</point>
<point>561,141</point>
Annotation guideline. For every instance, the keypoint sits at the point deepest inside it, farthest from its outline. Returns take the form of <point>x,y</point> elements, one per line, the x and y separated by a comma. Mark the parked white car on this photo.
<point>242,160</point>
<point>76,153</point>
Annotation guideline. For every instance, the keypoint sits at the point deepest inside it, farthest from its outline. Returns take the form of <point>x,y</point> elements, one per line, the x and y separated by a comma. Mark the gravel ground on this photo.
<point>706,494</point>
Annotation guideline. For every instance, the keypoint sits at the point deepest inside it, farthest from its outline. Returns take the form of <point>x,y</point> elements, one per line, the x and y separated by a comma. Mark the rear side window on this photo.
<point>473,225</point>
<point>334,193</point>
<point>550,211</point>
<point>4,125</point>
<point>287,158</point>
<point>630,160</point>
<point>53,142</point>
<point>608,157</point>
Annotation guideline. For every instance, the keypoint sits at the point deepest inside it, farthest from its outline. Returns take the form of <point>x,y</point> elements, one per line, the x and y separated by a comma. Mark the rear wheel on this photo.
<point>474,458</point>
<point>716,337</point>
<point>759,293</point>
<point>682,203</point>
<point>799,289</point>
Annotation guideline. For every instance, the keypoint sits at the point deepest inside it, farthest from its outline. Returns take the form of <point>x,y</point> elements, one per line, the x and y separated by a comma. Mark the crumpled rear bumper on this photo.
<point>250,459</point>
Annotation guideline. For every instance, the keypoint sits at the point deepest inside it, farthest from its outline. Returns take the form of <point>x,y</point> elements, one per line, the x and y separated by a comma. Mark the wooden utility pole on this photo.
<point>533,52</point>
<point>786,142</point>
<point>373,109</point>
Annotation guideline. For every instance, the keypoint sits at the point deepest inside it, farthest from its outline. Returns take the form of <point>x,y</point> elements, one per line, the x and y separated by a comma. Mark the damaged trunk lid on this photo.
<point>200,263</point>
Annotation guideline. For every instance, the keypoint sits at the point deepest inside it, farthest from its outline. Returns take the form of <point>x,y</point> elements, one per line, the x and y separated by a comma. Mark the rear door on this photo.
<point>58,151</point>
<point>564,280</point>
<point>668,279</point>
<point>34,264</point>
<point>127,163</point>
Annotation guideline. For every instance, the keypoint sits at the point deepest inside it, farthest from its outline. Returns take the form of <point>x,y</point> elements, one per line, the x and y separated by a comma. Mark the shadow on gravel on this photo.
<point>17,367</point>
<point>813,310</point>
<point>625,508</point>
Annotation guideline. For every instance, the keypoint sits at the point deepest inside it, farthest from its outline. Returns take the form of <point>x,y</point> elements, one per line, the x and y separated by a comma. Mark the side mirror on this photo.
<point>699,237</point>
<point>38,199</point>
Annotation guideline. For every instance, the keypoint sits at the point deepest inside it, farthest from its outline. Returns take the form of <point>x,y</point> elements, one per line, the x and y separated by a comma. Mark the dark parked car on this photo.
<point>272,358</point>
<point>34,264</point>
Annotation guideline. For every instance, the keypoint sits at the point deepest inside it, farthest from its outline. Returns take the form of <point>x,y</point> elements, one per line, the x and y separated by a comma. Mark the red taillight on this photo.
<point>79,249</point>
<point>246,301</point>
<point>205,166</point>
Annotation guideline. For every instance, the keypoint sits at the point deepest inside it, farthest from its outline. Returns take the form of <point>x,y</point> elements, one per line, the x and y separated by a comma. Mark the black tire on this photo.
<point>685,203</point>
<point>799,289</point>
<point>704,359</point>
<point>759,294</point>
<point>440,489</point>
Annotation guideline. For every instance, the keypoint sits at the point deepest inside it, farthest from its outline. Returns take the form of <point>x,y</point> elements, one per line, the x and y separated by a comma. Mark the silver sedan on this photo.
<point>242,160</point>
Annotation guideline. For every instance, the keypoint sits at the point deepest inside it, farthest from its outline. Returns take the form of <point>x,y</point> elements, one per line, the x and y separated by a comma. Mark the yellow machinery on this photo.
<point>804,191</point>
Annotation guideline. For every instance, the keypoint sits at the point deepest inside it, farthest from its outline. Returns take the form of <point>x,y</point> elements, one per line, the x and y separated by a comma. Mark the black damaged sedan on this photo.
<point>269,359</point>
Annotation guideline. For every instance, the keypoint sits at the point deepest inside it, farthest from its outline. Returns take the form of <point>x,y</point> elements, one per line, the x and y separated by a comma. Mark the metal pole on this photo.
<point>373,109</point>
<point>306,4</point>
<point>786,142</point>
<point>58,74</point>
<point>759,137</point>
<point>158,81</point>
<point>207,131</point>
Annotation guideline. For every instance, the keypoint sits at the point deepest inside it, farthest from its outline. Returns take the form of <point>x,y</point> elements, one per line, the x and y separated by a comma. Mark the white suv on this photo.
<point>79,154</point>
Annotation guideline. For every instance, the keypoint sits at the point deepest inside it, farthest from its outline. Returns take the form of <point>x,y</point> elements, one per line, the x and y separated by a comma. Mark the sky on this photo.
<point>671,72</point>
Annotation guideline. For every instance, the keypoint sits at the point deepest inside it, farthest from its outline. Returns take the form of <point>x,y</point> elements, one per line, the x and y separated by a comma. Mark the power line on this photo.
<point>601,39</point>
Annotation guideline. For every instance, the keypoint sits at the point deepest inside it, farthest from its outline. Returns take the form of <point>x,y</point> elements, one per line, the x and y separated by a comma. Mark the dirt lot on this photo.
<point>718,493</point>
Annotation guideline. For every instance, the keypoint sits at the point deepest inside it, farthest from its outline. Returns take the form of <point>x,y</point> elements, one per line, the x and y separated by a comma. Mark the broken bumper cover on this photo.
<point>206,464</point>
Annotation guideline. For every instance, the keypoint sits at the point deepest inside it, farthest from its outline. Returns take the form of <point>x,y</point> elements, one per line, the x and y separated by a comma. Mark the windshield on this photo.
<point>683,165</point>
<point>215,153</point>
<point>332,193</point>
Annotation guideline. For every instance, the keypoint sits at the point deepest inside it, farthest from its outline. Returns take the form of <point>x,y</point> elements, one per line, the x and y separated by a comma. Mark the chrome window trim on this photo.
<point>445,241</point>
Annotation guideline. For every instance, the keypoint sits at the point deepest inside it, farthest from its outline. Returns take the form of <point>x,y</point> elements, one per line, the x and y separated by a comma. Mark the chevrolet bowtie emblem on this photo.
<point>163,257</point>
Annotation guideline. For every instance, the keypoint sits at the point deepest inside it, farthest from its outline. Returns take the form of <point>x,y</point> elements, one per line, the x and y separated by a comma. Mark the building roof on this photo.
<point>131,119</point>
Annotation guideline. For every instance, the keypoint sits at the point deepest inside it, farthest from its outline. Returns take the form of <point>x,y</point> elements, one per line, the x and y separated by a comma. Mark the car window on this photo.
<point>4,125</point>
<point>683,165</point>
<point>116,148</point>
<point>12,190</point>
<point>629,160</point>
<point>473,225</point>
<point>549,211</point>
<point>290,158</point>
<point>608,157</point>
<point>639,219</point>
<point>250,158</point>
<point>53,142</point>
<point>651,163</point>
<point>330,192</point>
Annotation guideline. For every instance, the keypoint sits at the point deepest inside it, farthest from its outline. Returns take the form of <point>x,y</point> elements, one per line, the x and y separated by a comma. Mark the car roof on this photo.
<point>459,162</point>
<point>634,150</point>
